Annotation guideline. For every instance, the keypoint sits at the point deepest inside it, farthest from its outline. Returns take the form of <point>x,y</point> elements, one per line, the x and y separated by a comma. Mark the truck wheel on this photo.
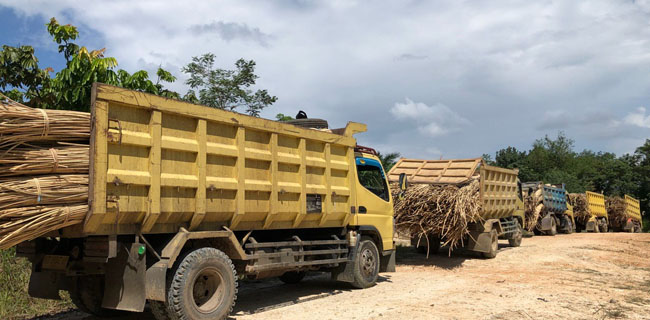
<point>366,265</point>
<point>553,230</point>
<point>87,295</point>
<point>515,240</point>
<point>603,227</point>
<point>292,277</point>
<point>432,247</point>
<point>494,246</point>
<point>203,286</point>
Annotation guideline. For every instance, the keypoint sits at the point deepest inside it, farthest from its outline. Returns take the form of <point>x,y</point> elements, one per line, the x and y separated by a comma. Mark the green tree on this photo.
<point>642,171</point>
<point>23,80</point>
<point>283,117</point>
<point>388,160</point>
<point>225,89</point>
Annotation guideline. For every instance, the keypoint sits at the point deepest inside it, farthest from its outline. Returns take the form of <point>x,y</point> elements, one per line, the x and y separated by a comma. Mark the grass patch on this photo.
<point>15,303</point>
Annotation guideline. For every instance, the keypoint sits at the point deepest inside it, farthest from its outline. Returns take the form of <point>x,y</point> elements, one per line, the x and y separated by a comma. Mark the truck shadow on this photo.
<point>259,296</point>
<point>409,256</point>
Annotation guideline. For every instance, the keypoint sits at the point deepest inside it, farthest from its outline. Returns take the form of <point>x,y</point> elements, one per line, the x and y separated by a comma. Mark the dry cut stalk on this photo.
<point>534,208</point>
<point>20,124</point>
<point>442,211</point>
<point>39,190</point>
<point>616,211</point>
<point>581,212</point>
<point>28,223</point>
<point>35,160</point>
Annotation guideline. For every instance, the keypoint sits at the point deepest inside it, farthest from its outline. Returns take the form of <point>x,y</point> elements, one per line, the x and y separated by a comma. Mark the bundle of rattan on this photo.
<point>21,124</point>
<point>22,224</point>
<point>581,212</point>
<point>534,205</point>
<point>36,159</point>
<point>616,211</point>
<point>40,190</point>
<point>442,211</point>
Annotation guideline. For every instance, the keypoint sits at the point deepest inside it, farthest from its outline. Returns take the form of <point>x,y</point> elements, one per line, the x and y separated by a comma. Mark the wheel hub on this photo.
<point>207,291</point>
<point>368,263</point>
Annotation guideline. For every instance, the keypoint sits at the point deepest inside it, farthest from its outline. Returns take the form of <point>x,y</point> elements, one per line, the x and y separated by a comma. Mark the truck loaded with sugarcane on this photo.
<point>589,211</point>
<point>176,202</point>
<point>624,214</point>
<point>547,208</point>
<point>461,202</point>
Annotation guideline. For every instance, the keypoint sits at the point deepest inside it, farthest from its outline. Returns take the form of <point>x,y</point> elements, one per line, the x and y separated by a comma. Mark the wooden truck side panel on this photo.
<point>161,164</point>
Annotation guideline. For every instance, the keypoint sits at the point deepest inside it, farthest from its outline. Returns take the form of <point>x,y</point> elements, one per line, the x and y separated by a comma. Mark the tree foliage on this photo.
<point>388,160</point>
<point>225,89</point>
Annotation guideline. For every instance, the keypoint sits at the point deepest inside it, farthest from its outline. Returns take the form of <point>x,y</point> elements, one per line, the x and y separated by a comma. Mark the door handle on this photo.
<point>362,209</point>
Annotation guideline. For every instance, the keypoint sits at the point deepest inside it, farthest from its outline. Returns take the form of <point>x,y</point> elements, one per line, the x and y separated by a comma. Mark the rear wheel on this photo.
<point>603,226</point>
<point>87,295</point>
<point>292,277</point>
<point>366,264</point>
<point>553,230</point>
<point>494,245</point>
<point>203,286</point>
<point>515,240</point>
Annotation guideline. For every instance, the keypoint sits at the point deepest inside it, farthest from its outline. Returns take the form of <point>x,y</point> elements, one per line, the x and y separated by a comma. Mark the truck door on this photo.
<point>374,205</point>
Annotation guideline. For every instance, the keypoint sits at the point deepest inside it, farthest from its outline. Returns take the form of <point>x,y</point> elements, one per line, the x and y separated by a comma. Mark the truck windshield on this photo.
<point>371,177</point>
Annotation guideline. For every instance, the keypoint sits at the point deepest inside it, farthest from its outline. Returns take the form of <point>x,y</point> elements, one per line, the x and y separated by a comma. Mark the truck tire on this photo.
<point>366,264</point>
<point>515,240</point>
<point>494,245</point>
<point>87,296</point>
<point>568,226</point>
<point>431,247</point>
<point>292,277</point>
<point>553,230</point>
<point>603,227</point>
<point>203,286</point>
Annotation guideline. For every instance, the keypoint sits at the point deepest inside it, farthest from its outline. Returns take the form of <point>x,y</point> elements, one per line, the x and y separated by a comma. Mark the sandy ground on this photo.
<point>579,276</point>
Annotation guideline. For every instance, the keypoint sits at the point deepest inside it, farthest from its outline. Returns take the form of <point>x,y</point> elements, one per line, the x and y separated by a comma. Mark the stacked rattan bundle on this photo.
<point>581,212</point>
<point>43,180</point>
<point>616,211</point>
<point>442,211</point>
<point>21,124</point>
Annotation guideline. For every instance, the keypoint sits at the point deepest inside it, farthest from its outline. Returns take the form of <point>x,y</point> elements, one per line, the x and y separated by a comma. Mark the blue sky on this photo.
<point>430,78</point>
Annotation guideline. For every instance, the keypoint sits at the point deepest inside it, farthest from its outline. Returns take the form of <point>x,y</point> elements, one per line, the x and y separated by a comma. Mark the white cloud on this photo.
<point>503,63</point>
<point>638,118</point>
<point>435,120</point>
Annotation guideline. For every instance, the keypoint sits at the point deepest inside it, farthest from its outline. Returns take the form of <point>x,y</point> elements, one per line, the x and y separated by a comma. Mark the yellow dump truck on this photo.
<point>502,206</point>
<point>598,221</point>
<point>632,221</point>
<point>185,200</point>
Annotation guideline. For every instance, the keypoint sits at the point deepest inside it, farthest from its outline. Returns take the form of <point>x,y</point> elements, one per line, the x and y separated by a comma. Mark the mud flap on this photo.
<point>479,241</point>
<point>387,261</point>
<point>592,225</point>
<point>45,285</point>
<point>546,223</point>
<point>125,280</point>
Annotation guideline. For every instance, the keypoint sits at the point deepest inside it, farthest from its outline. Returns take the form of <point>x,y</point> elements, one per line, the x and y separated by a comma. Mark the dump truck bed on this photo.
<point>159,164</point>
<point>632,208</point>
<point>498,186</point>
<point>553,197</point>
<point>596,204</point>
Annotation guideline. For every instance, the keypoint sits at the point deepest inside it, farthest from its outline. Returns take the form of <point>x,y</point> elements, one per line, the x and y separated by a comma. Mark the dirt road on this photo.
<point>579,276</point>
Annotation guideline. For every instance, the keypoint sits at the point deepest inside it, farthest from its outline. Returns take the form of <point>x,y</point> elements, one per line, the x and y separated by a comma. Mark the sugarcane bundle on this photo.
<point>36,159</point>
<point>443,211</point>
<point>616,211</point>
<point>27,223</point>
<point>581,212</point>
<point>534,206</point>
<point>21,124</point>
<point>39,190</point>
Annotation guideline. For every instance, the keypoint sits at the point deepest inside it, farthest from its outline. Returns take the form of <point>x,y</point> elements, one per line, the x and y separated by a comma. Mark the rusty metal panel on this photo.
<point>160,164</point>
<point>454,171</point>
<point>632,208</point>
<point>596,204</point>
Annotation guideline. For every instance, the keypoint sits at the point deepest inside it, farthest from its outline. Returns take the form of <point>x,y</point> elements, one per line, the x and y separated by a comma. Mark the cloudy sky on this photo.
<point>430,78</point>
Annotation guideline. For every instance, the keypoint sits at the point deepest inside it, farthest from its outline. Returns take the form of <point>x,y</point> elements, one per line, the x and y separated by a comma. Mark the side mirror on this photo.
<point>403,181</point>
